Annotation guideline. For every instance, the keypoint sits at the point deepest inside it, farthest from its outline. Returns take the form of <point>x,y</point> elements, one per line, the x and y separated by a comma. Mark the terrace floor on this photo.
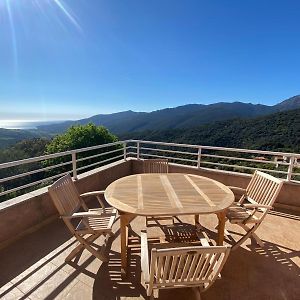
<point>34,267</point>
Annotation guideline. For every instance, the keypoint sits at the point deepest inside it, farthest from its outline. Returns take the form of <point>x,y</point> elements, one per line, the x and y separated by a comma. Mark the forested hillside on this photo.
<point>9,137</point>
<point>279,131</point>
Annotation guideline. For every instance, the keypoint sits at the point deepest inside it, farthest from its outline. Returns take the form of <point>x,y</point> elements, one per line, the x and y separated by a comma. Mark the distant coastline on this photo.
<point>25,125</point>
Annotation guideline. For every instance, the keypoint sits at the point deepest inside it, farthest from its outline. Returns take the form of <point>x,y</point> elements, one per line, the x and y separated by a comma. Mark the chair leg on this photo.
<point>254,235</point>
<point>155,293</point>
<point>258,240</point>
<point>249,232</point>
<point>91,249</point>
<point>151,293</point>
<point>74,252</point>
<point>80,247</point>
<point>196,290</point>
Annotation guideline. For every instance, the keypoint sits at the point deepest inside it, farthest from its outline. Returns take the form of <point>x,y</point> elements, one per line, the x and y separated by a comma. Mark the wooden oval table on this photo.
<point>170,194</point>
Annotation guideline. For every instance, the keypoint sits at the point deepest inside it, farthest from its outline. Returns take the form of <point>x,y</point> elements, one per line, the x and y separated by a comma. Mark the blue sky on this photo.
<point>66,59</point>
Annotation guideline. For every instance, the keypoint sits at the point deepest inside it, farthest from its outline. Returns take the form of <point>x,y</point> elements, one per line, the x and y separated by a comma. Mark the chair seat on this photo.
<point>102,223</point>
<point>178,233</point>
<point>239,214</point>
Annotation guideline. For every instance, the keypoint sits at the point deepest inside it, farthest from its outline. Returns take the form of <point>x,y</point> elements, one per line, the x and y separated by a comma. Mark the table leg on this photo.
<point>221,228</point>
<point>197,219</point>
<point>125,220</point>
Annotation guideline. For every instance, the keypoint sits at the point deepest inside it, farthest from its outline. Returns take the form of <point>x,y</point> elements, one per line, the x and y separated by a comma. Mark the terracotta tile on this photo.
<point>41,272</point>
<point>79,291</point>
<point>10,292</point>
<point>59,283</point>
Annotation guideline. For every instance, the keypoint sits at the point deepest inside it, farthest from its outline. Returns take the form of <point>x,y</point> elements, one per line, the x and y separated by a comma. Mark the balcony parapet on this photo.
<point>34,208</point>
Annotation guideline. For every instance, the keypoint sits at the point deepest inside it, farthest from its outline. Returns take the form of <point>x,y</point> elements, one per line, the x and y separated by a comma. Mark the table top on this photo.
<point>168,194</point>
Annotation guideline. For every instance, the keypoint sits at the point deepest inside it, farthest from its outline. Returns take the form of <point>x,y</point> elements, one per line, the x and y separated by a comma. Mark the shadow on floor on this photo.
<point>42,252</point>
<point>250,273</point>
<point>109,283</point>
<point>256,272</point>
<point>31,248</point>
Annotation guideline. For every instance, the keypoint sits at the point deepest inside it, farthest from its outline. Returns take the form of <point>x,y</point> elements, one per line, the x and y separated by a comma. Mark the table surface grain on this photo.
<point>168,194</point>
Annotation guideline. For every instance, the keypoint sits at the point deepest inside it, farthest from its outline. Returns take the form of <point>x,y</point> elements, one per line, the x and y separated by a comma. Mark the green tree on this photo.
<point>80,136</point>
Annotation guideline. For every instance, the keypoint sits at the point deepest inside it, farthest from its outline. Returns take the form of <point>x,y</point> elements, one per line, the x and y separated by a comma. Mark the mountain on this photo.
<point>279,131</point>
<point>291,103</point>
<point>185,116</point>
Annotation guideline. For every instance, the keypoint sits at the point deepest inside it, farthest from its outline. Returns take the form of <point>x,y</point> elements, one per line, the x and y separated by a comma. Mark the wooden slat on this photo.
<point>166,268</point>
<point>174,200</point>
<point>140,193</point>
<point>173,267</point>
<point>202,194</point>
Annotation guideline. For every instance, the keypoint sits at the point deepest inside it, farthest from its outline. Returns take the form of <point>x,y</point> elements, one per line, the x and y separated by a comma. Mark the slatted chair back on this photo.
<point>263,189</point>
<point>156,166</point>
<point>186,266</point>
<point>65,196</point>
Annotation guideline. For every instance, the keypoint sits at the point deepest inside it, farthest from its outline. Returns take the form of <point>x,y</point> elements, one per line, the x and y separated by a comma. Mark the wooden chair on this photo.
<point>155,166</point>
<point>180,265</point>
<point>252,208</point>
<point>89,222</point>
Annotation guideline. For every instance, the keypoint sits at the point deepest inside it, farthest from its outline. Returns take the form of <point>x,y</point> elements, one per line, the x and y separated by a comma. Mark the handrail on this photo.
<point>288,154</point>
<point>289,164</point>
<point>73,161</point>
<point>289,157</point>
<point>54,155</point>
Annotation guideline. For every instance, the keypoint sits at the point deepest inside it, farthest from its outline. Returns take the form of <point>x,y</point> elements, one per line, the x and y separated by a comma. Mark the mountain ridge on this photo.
<point>279,131</point>
<point>184,116</point>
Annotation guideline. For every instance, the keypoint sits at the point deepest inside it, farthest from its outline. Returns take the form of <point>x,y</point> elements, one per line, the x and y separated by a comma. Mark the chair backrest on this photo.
<point>155,166</point>
<point>65,196</point>
<point>263,188</point>
<point>186,266</point>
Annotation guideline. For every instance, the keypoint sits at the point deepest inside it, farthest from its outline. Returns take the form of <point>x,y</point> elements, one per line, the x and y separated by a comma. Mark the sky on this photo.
<point>69,59</point>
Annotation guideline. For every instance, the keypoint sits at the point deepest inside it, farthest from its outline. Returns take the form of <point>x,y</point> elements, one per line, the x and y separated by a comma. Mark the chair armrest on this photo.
<point>96,194</point>
<point>85,214</point>
<point>253,205</point>
<point>93,193</point>
<point>236,188</point>
<point>145,256</point>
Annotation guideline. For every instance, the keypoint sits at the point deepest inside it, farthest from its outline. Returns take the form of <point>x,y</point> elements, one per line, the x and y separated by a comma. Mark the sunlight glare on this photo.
<point>43,6</point>
<point>67,14</point>
<point>13,35</point>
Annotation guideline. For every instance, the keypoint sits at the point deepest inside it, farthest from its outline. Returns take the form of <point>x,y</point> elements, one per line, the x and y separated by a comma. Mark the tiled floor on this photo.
<point>34,267</point>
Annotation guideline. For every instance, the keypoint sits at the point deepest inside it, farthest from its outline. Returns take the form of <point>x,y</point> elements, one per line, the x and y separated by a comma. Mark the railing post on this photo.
<point>199,157</point>
<point>125,152</point>
<point>290,169</point>
<point>74,167</point>
<point>137,150</point>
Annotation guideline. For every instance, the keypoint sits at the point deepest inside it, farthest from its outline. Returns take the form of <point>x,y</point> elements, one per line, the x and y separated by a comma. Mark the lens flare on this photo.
<point>56,10</point>
<point>13,35</point>
<point>67,14</point>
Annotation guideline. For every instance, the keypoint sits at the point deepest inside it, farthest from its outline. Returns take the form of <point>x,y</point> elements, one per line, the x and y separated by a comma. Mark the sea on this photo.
<point>25,125</point>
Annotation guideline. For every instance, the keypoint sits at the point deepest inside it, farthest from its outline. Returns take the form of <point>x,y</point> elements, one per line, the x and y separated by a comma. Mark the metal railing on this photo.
<point>21,176</point>
<point>284,165</point>
<point>42,170</point>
